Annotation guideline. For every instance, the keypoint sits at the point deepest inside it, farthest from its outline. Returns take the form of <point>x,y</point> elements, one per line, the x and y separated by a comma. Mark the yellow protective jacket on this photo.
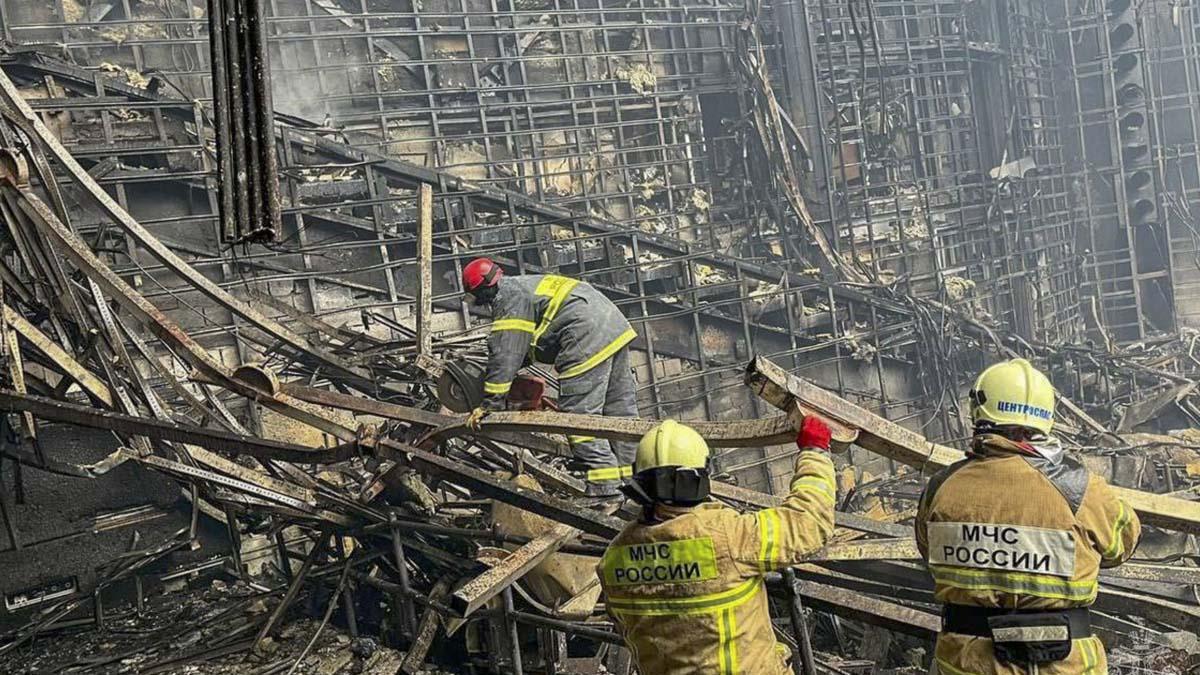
<point>687,591</point>
<point>1010,528</point>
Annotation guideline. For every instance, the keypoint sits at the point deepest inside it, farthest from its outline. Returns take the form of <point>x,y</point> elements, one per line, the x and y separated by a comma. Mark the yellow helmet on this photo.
<point>1013,393</point>
<point>671,444</point>
<point>671,466</point>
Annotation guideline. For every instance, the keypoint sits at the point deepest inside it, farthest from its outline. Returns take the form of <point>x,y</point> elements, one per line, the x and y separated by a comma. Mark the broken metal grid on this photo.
<point>627,113</point>
<point>910,156</point>
<point>371,228</point>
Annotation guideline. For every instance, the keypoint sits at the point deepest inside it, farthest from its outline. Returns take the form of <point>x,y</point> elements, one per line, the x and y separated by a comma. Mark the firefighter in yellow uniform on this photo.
<point>1015,536</point>
<point>685,582</point>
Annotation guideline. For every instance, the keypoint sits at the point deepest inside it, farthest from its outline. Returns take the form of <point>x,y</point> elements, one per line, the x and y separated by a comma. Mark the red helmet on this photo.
<point>481,273</point>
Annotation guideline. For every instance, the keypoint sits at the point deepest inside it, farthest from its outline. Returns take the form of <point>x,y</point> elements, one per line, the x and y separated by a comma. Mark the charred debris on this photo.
<point>225,446</point>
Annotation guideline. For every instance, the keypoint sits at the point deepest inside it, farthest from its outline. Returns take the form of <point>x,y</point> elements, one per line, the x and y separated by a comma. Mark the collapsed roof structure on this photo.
<point>864,201</point>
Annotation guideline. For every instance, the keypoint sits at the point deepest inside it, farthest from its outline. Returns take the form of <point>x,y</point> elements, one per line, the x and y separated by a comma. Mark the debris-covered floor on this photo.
<point>200,631</point>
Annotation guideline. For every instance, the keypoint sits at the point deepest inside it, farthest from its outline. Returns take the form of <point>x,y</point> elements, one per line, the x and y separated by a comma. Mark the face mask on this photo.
<point>483,296</point>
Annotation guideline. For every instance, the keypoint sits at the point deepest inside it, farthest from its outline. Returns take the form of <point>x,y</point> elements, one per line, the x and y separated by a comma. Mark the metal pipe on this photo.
<point>803,663</point>
<point>568,627</point>
<point>406,606</point>
<point>221,109</point>
<point>514,634</point>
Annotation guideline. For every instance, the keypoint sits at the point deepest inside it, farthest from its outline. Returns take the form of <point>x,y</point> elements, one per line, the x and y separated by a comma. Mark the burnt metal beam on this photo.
<point>425,271</point>
<point>763,500</point>
<point>247,166</point>
<point>167,430</point>
<point>418,649</point>
<point>899,548</point>
<point>68,244</point>
<point>854,605</point>
<point>731,434</point>
<point>503,574</point>
<point>50,349</point>
<point>416,416</point>
<point>1167,574</point>
<point>486,484</point>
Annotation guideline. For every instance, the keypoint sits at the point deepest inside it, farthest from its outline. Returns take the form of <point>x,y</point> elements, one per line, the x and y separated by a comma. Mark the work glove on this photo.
<point>475,419</point>
<point>814,434</point>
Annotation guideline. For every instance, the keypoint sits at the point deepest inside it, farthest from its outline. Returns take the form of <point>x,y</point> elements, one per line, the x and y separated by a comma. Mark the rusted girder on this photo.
<point>781,389</point>
<point>59,356</point>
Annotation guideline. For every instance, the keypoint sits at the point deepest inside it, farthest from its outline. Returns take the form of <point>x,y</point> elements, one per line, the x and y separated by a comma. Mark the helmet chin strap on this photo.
<point>634,491</point>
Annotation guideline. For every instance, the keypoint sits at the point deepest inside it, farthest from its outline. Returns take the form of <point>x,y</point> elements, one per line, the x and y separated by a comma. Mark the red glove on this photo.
<point>814,433</point>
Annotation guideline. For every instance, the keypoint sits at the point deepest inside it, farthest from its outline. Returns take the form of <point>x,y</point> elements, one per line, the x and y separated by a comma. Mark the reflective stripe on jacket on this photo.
<point>1045,530</point>
<point>551,319</point>
<point>1005,528</point>
<point>688,594</point>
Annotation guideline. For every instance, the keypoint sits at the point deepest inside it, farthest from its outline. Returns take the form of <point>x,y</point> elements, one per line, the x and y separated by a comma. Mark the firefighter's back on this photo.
<point>684,602</point>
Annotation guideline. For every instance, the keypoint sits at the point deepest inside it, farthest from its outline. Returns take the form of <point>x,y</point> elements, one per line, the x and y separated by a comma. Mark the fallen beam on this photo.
<point>68,244</point>
<point>762,500</point>
<point>853,605</point>
<point>734,434</point>
<point>50,348</point>
<point>486,586</point>
<point>899,548</point>
<point>414,660</point>
<point>166,430</point>
<point>416,416</point>
<point>425,270</point>
<point>561,510</point>
<point>1167,574</point>
<point>782,389</point>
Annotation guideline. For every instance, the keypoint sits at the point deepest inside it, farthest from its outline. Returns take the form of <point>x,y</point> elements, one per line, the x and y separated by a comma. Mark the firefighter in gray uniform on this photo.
<point>553,319</point>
